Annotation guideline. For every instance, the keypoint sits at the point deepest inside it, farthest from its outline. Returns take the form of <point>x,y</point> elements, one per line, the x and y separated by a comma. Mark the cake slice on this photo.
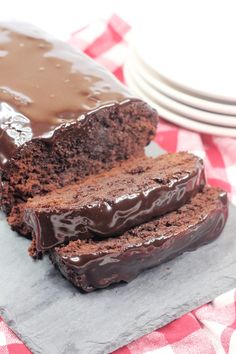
<point>111,203</point>
<point>90,264</point>
<point>62,117</point>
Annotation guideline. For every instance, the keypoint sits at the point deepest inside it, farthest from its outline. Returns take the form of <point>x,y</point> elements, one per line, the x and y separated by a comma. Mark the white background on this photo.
<point>62,17</point>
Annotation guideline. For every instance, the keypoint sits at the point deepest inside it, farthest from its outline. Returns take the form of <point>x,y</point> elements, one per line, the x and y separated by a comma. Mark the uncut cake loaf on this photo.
<point>113,202</point>
<point>62,117</point>
<point>91,264</point>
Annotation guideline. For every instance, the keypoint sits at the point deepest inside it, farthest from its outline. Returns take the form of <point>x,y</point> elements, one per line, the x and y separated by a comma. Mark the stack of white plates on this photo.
<point>187,73</point>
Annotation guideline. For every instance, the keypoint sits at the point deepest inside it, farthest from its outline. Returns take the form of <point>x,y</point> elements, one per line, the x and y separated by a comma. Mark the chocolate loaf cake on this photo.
<point>113,202</point>
<point>62,117</point>
<point>90,264</point>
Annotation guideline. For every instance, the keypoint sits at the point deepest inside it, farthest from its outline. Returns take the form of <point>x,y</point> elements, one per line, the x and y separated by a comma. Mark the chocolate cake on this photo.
<point>72,161</point>
<point>62,117</point>
<point>113,202</point>
<point>90,264</point>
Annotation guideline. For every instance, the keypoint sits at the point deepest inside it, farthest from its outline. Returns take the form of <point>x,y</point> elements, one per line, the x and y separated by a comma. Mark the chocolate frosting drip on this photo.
<point>100,269</point>
<point>45,84</point>
<point>105,219</point>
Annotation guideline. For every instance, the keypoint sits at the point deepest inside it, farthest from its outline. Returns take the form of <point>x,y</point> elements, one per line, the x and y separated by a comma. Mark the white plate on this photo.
<point>176,118</point>
<point>192,48</point>
<point>177,107</point>
<point>162,86</point>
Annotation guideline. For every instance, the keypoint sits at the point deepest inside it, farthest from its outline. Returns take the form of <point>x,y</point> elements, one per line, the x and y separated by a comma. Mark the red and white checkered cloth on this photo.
<point>210,329</point>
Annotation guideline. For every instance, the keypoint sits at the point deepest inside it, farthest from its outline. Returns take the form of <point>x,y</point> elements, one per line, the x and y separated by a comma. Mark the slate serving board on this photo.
<point>53,317</point>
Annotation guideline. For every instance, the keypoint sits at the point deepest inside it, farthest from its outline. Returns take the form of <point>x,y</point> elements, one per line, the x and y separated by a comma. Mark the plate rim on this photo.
<point>178,107</point>
<point>181,96</point>
<point>182,121</point>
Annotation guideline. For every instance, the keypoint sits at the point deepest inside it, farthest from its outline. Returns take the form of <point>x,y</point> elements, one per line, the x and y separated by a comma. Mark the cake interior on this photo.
<point>131,177</point>
<point>111,135</point>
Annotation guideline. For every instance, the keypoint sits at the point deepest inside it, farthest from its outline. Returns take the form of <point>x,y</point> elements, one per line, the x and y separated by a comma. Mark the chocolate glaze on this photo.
<point>100,269</point>
<point>46,84</point>
<point>106,218</point>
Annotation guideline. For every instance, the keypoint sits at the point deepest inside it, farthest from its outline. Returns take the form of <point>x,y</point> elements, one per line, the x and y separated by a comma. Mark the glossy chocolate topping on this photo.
<point>100,264</point>
<point>44,84</point>
<point>106,217</point>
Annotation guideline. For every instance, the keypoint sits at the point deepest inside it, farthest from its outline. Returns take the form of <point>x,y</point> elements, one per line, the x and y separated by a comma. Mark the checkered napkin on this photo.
<point>210,329</point>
